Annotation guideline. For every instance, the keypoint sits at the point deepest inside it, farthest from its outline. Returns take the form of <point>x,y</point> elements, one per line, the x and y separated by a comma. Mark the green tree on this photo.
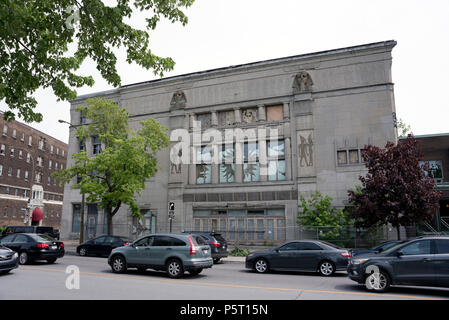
<point>317,211</point>
<point>35,36</point>
<point>118,173</point>
<point>403,128</point>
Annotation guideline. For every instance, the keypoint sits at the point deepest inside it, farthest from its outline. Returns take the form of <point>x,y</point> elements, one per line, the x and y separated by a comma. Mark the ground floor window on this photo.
<point>245,225</point>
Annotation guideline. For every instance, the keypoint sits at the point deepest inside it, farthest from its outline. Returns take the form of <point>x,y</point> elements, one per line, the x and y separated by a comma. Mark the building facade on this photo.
<point>28,193</point>
<point>297,124</point>
<point>435,150</point>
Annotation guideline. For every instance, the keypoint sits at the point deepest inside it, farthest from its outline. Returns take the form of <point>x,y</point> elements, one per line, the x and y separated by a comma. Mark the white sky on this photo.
<point>221,33</point>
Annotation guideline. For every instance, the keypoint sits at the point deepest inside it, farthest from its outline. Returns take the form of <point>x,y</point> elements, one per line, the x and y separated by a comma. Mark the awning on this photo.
<point>38,215</point>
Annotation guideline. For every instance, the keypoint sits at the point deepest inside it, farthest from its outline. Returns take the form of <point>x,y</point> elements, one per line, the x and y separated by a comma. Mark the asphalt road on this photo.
<point>225,281</point>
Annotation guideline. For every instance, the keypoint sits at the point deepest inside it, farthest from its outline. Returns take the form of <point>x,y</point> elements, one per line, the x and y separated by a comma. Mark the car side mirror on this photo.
<point>380,250</point>
<point>399,254</point>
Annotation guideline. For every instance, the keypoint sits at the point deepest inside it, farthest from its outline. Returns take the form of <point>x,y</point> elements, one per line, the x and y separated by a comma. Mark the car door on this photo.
<point>441,262</point>
<point>140,253</point>
<point>159,250</point>
<point>7,241</point>
<point>106,247</point>
<point>285,256</point>
<point>20,242</point>
<point>415,265</point>
<point>308,256</point>
<point>97,245</point>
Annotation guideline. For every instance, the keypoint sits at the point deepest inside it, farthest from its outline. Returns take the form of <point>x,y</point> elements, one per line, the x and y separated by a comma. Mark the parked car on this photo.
<point>304,255</point>
<point>419,262</point>
<point>32,229</point>
<point>32,246</point>
<point>174,253</point>
<point>101,245</point>
<point>377,249</point>
<point>9,260</point>
<point>218,244</point>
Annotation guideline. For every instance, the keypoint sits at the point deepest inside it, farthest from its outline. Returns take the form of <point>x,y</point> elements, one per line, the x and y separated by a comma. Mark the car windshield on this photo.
<point>125,239</point>
<point>42,237</point>
<point>394,247</point>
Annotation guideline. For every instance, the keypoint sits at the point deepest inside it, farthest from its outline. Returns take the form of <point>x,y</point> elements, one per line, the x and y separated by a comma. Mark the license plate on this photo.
<point>54,247</point>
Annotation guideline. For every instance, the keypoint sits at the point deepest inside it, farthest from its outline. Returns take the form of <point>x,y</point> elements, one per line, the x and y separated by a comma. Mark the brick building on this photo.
<point>27,159</point>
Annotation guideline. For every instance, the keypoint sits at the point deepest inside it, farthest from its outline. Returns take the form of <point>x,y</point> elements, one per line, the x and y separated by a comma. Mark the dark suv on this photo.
<point>218,244</point>
<point>31,229</point>
<point>423,261</point>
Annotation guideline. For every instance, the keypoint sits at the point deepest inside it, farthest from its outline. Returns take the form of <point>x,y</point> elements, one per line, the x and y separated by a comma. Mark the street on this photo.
<point>225,281</point>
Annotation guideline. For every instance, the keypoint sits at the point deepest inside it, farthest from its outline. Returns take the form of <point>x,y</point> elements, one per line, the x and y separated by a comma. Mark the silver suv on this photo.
<point>174,253</point>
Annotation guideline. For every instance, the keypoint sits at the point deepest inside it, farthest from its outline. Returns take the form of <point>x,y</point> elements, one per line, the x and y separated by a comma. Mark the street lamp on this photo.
<point>83,201</point>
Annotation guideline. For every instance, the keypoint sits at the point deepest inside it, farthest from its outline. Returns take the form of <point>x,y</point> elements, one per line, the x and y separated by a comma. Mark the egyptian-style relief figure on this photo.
<point>306,151</point>
<point>249,115</point>
<point>178,101</point>
<point>302,82</point>
<point>176,168</point>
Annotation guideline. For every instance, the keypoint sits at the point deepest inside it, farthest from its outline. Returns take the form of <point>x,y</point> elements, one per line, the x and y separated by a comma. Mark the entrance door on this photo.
<point>91,226</point>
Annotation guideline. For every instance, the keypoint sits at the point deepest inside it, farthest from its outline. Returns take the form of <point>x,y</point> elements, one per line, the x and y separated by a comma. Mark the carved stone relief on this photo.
<point>178,101</point>
<point>249,115</point>
<point>305,149</point>
<point>302,82</point>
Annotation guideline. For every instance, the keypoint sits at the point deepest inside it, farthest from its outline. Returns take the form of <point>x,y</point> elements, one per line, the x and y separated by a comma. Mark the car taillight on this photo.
<point>42,245</point>
<point>346,254</point>
<point>216,244</point>
<point>126,244</point>
<point>192,246</point>
<point>62,245</point>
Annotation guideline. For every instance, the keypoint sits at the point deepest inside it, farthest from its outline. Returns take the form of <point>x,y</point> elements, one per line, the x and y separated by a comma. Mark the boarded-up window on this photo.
<point>205,119</point>
<point>226,118</point>
<point>342,157</point>
<point>353,156</point>
<point>275,113</point>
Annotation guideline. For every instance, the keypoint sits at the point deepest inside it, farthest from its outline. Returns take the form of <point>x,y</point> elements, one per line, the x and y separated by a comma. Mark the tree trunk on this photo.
<point>398,228</point>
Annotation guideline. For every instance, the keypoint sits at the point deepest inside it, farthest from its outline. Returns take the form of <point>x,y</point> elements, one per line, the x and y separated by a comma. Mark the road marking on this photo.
<point>226,285</point>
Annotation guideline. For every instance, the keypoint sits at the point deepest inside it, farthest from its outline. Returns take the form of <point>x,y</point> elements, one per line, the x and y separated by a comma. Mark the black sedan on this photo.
<point>305,255</point>
<point>102,245</point>
<point>32,246</point>
<point>419,262</point>
<point>8,260</point>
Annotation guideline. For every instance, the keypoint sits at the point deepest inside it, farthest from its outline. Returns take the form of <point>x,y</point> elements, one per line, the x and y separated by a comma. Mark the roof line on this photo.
<point>391,43</point>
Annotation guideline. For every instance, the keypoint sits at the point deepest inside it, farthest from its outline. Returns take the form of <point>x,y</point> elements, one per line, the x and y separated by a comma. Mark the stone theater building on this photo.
<point>29,195</point>
<point>324,107</point>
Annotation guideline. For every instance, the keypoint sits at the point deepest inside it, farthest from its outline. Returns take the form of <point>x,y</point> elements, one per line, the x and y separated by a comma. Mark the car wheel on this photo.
<point>195,271</point>
<point>326,268</point>
<point>217,260</point>
<point>23,257</point>
<point>175,268</point>
<point>83,252</point>
<point>53,260</point>
<point>378,281</point>
<point>4,272</point>
<point>261,265</point>
<point>118,264</point>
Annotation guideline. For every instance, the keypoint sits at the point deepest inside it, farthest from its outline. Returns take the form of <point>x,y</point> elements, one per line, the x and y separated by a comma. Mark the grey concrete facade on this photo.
<point>325,106</point>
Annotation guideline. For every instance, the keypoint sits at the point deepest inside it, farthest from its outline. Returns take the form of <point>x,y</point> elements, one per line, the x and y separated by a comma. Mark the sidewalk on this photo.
<point>70,250</point>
